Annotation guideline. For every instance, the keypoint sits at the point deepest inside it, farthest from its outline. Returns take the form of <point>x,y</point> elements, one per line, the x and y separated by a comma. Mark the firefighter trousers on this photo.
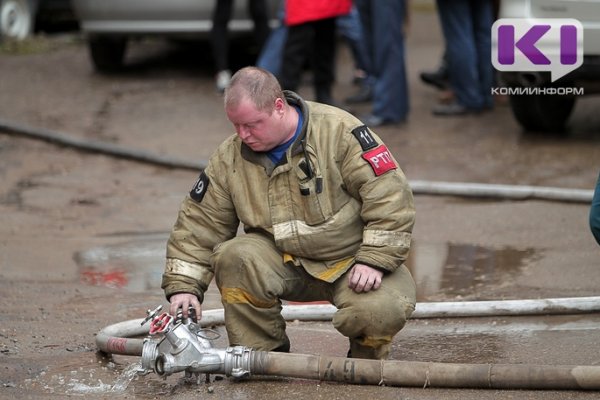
<point>253,280</point>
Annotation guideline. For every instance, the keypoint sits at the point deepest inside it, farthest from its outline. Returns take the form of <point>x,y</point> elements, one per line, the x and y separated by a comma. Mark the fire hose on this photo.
<point>476,190</point>
<point>180,345</point>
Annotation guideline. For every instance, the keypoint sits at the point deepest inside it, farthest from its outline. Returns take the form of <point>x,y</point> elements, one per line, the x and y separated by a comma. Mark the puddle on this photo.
<point>135,265</point>
<point>445,268</point>
<point>460,269</point>
<point>83,376</point>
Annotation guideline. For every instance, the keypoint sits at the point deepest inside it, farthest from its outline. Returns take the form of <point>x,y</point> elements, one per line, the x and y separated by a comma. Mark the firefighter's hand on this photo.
<point>185,301</point>
<point>363,278</point>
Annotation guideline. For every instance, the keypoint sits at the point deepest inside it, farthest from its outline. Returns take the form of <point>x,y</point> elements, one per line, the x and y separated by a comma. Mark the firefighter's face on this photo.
<point>259,130</point>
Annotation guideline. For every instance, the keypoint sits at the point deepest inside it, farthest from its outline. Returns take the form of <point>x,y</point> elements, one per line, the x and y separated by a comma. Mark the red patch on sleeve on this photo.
<point>380,159</point>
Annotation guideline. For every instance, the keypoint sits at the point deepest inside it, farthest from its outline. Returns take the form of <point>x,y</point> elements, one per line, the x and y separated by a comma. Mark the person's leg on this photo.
<point>297,46</point>
<point>390,93</point>
<point>363,7</point>
<point>457,26</point>
<point>250,275</point>
<point>259,12</point>
<point>324,46</point>
<point>483,19</point>
<point>219,34</point>
<point>350,28</point>
<point>272,52</point>
<point>371,320</point>
<point>252,278</point>
<point>365,92</point>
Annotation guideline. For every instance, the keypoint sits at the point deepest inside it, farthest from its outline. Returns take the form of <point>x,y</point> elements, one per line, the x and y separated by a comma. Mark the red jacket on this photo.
<point>301,11</point>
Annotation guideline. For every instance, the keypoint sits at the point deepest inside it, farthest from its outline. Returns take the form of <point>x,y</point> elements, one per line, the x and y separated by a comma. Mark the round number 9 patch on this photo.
<point>199,190</point>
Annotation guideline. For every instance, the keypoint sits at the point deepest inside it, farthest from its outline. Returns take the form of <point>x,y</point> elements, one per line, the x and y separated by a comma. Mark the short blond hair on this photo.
<point>258,85</point>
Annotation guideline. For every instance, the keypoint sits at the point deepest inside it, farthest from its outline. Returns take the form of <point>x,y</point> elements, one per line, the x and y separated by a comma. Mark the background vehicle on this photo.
<point>549,113</point>
<point>109,24</point>
<point>20,18</point>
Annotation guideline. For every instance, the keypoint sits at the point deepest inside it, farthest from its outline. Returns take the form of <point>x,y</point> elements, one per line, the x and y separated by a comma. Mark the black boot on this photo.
<point>438,78</point>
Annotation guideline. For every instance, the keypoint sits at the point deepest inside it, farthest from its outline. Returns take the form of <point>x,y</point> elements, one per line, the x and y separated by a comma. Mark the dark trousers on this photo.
<point>313,41</point>
<point>219,35</point>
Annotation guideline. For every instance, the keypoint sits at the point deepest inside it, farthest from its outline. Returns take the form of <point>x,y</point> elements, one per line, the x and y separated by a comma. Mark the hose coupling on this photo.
<point>238,361</point>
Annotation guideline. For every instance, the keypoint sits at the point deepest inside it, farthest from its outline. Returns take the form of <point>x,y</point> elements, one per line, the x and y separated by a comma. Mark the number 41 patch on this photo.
<point>380,159</point>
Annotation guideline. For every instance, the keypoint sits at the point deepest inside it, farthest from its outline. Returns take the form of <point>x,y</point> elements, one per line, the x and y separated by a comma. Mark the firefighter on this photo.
<point>327,214</point>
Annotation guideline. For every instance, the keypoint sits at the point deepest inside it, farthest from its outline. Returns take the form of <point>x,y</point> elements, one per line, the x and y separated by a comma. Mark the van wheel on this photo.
<point>538,113</point>
<point>107,52</point>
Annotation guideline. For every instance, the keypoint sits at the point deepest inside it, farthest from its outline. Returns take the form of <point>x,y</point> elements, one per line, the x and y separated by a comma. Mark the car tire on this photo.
<point>107,52</point>
<point>542,113</point>
<point>17,18</point>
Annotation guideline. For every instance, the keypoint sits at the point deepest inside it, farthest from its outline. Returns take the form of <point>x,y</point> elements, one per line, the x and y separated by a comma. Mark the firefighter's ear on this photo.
<point>279,107</point>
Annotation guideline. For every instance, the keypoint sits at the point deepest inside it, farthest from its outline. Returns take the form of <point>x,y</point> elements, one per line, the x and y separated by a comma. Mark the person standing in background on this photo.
<point>348,27</point>
<point>223,9</point>
<point>467,29</point>
<point>384,25</point>
<point>312,32</point>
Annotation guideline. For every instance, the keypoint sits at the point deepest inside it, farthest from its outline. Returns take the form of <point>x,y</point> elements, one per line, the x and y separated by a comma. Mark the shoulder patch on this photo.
<point>199,190</point>
<point>380,159</point>
<point>364,137</point>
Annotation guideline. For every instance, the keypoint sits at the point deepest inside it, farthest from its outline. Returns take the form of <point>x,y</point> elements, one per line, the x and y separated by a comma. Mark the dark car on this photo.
<point>21,18</point>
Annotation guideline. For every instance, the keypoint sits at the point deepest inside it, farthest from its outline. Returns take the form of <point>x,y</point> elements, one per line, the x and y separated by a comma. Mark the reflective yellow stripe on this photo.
<point>337,267</point>
<point>385,238</point>
<point>296,227</point>
<point>240,296</point>
<point>192,270</point>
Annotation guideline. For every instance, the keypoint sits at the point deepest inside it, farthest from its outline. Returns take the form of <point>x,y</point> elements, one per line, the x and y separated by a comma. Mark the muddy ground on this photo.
<point>82,235</point>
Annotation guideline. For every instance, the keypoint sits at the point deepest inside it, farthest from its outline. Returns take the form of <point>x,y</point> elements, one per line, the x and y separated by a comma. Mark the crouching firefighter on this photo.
<point>327,215</point>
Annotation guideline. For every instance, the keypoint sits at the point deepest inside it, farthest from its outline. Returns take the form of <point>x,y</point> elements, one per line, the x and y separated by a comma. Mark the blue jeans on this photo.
<point>383,33</point>
<point>271,53</point>
<point>350,28</point>
<point>467,28</point>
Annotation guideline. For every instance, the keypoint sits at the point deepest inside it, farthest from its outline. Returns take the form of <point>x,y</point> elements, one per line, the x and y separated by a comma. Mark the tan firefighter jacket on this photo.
<point>337,198</point>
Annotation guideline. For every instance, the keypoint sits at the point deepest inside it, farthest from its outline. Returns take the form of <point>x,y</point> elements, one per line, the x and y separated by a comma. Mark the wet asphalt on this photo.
<point>464,249</point>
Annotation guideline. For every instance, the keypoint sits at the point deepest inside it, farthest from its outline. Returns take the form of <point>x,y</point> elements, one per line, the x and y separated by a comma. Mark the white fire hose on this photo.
<point>186,347</point>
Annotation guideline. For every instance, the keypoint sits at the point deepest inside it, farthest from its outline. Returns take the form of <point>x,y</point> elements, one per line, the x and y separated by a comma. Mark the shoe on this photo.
<point>364,95</point>
<point>374,121</point>
<point>222,80</point>
<point>452,109</point>
<point>439,78</point>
